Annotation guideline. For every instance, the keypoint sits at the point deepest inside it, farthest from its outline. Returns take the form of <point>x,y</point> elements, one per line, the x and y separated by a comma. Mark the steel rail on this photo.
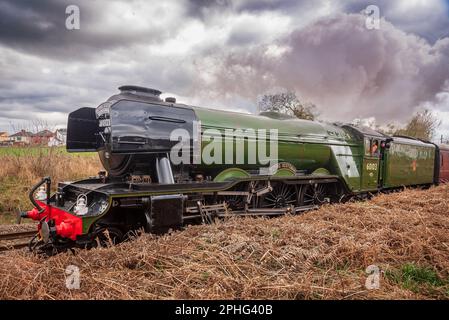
<point>17,235</point>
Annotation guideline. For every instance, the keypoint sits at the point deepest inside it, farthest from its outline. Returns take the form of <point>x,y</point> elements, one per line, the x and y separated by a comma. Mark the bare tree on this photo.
<point>33,126</point>
<point>423,125</point>
<point>39,125</point>
<point>288,103</point>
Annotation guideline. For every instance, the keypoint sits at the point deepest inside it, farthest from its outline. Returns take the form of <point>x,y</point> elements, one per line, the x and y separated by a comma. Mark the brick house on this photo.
<point>42,137</point>
<point>22,138</point>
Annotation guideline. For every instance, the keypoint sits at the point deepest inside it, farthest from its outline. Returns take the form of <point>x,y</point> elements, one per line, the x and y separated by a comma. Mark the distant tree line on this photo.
<point>422,125</point>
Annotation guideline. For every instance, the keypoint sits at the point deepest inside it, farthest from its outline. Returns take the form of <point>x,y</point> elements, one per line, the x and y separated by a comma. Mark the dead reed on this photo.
<point>318,255</point>
<point>20,171</point>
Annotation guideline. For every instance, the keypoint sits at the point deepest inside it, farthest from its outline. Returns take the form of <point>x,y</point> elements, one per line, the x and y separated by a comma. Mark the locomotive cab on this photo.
<point>374,146</point>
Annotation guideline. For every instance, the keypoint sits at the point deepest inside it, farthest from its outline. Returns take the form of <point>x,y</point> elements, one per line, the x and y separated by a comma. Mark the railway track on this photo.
<point>15,240</point>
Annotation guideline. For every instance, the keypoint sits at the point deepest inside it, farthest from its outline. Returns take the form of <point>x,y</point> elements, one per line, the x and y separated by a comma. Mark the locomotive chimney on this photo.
<point>140,91</point>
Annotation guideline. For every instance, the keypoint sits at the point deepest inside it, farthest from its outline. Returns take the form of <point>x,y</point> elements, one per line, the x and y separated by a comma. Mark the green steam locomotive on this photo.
<point>168,164</point>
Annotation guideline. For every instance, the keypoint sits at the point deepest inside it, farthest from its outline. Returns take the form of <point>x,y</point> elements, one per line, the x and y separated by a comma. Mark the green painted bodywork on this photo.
<point>314,148</point>
<point>370,176</point>
<point>409,162</point>
<point>89,221</point>
<point>307,145</point>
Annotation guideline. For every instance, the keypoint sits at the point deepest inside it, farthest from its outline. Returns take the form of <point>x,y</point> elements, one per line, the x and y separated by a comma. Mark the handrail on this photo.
<point>47,181</point>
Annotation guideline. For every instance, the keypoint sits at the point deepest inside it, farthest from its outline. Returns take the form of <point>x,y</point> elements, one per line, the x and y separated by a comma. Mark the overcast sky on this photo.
<point>225,54</point>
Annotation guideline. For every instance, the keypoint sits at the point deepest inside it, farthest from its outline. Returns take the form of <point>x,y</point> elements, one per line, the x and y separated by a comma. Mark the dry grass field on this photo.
<point>321,254</point>
<point>21,168</point>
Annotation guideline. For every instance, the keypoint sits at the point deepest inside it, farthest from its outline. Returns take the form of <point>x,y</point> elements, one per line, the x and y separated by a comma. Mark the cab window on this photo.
<point>375,147</point>
<point>367,147</point>
<point>372,147</point>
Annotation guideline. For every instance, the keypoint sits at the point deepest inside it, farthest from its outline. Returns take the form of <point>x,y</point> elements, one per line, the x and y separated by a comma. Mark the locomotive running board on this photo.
<point>123,189</point>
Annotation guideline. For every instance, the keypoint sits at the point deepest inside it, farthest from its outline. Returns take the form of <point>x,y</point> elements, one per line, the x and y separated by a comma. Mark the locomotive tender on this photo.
<point>142,187</point>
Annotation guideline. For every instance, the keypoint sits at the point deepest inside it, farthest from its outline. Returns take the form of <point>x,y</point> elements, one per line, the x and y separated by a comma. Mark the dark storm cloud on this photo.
<point>29,20</point>
<point>38,27</point>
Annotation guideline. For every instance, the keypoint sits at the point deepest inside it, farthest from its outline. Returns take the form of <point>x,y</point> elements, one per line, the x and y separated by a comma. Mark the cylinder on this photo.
<point>164,171</point>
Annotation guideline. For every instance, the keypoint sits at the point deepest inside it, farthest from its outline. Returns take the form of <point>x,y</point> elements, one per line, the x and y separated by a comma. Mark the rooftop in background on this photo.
<point>44,133</point>
<point>23,133</point>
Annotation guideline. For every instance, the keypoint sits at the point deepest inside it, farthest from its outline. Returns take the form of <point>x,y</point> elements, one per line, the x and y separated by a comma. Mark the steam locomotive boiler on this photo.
<point>168,164</point>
